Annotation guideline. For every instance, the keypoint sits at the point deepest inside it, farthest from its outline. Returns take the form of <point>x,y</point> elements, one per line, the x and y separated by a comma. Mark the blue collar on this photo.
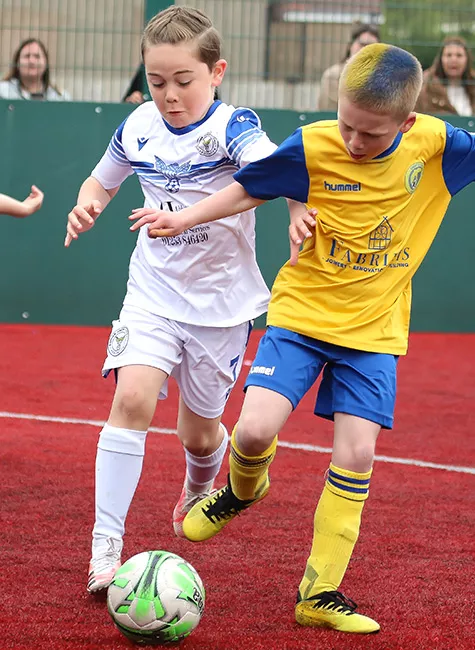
<point>392,148</point>
<point>191,127</point>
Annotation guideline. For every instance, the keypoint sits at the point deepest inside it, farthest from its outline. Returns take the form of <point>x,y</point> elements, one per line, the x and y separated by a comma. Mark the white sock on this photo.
<point>119,462</point>
<point>202,470</point>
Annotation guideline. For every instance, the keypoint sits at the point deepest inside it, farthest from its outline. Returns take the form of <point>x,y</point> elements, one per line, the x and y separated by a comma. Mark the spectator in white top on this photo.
<point>29,75</point>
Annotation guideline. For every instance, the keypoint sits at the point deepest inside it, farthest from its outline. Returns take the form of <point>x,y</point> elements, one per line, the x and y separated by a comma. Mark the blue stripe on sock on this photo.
<point>347,488</point>
<point>355,481</point>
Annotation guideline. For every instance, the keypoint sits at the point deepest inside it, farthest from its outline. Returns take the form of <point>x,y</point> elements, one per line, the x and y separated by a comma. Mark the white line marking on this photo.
<point>282,443</point>
<point>383,459</point>
<point>52,418</point>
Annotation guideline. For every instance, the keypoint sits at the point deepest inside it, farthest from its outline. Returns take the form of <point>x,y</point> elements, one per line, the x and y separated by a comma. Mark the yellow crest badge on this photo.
<point>413,176</point>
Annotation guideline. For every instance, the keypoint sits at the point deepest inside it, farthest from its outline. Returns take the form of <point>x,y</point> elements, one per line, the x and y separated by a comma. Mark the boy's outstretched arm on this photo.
<point>281,174</point>
<point>91,201</point>
<point>228,201</point>
<point>14,208</point>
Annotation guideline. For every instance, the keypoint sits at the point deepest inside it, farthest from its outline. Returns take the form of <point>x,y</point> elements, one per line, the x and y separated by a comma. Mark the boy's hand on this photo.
<point>299,230</point>
<point>160,223</point>
<point>33,201</point>
<point>82,218</point>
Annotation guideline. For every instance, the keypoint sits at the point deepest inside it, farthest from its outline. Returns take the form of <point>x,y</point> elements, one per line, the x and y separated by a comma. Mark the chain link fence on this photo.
<point>93,45</point>
<point>277,49</point>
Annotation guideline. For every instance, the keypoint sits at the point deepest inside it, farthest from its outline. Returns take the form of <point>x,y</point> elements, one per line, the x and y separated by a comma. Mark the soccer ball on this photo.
<point>156,598</point>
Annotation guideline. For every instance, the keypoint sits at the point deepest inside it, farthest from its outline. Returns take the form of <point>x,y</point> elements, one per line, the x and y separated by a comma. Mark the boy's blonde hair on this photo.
<point>176,25</point>
<point>383,79</point>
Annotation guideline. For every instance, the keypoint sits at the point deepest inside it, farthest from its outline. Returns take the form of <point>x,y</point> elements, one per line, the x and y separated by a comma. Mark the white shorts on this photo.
<point>204,361</point>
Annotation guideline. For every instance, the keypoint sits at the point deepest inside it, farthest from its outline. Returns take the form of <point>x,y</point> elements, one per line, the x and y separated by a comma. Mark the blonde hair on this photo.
<point>176,25</point>
<point>383,79</point>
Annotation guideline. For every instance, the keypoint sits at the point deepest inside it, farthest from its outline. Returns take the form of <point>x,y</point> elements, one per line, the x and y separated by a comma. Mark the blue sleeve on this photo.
<point>116,148</point>
<point>458,160</point>
<point>244,128</point>
<point>119,130</point>
<point>283,173</point>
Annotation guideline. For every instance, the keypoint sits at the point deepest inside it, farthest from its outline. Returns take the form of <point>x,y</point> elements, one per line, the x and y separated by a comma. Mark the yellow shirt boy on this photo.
<point>381,178</point>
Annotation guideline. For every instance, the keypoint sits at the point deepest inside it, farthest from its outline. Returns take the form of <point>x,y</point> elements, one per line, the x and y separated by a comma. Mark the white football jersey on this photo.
<point>208,275</point>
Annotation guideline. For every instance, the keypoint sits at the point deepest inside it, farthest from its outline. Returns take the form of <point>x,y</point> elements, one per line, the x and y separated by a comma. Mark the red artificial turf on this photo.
<point>413,565</point>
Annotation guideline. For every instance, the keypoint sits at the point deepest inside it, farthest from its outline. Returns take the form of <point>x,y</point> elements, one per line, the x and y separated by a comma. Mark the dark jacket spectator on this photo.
<point>449,83</point>
<point>136,92</point>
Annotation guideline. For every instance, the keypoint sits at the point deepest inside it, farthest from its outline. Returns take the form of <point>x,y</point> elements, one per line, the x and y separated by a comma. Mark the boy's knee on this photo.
<point>133,408</point>
<point>203,441</point>
<point>356,457</point>
<point>253,436</point>
<point>132,401</point>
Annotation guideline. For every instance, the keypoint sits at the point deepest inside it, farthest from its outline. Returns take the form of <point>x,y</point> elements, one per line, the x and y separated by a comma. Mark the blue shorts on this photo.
<point>354,382</point>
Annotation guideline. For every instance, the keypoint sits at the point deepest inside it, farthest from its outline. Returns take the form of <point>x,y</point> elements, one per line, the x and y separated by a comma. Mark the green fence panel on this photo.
<point>152,7</point>
<point>55,146</point>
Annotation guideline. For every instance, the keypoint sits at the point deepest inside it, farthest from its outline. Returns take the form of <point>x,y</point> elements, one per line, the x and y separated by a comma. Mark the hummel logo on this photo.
<point>342,187</point>
<point>142,142</point>
<point>261,370</point>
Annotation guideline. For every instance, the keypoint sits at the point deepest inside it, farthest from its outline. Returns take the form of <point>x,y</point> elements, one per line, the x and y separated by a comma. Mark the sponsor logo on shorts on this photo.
<point>118,341</point>
<point>261,370</point>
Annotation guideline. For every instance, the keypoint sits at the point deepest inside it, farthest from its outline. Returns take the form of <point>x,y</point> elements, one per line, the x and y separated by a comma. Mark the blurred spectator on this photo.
<point>29,75</point>
<point>361,35</point>
<point>449,83</point>
<point>136,92</point>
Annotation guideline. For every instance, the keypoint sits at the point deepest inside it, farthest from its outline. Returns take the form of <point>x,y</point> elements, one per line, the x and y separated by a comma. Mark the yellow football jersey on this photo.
<point>376,221</point>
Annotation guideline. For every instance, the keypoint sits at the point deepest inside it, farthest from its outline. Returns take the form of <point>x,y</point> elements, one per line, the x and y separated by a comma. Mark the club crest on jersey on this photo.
<point>381,236</point>
<point>207,144</point>
<point>413,176</point>
<point>173,173</point>
<point>118,341</point>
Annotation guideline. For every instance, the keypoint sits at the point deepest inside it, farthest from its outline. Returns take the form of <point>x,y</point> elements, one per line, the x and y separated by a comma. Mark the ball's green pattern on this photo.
<point>156,598</point>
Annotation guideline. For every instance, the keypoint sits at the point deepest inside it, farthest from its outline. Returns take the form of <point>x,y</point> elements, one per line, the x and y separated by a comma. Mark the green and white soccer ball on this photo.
<point>156,598</point>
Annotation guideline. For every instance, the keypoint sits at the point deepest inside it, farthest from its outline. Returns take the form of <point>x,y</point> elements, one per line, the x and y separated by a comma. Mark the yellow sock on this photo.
<point>335,530</point>
<point>248,473</point>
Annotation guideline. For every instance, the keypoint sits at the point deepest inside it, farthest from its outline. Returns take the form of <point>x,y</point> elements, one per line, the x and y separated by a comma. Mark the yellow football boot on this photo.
<point>333,610</point>
<point>207,517</point>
